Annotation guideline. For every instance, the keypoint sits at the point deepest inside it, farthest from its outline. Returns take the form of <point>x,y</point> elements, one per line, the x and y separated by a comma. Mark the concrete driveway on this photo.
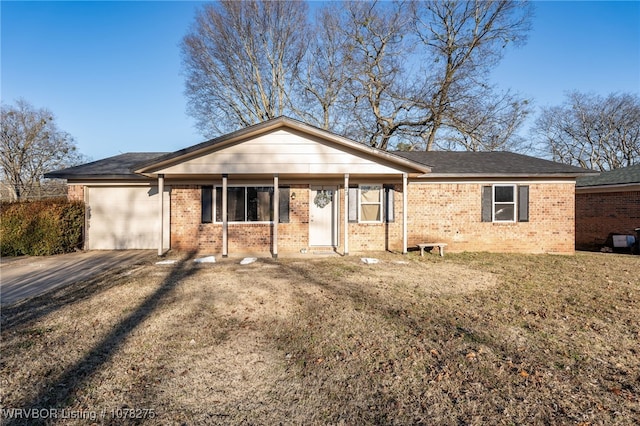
<point>23,277</point>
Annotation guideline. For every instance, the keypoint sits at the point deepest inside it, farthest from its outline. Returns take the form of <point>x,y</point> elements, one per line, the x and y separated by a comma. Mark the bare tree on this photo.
<point>32,144</point>
<point>416,68</point>
<point>382,73</point>
<point>381,84</point>
<point>486,121</point>
<point>592,131</point>
<point>241,59</point>
<point>325,73</point>
<point>463,40</point>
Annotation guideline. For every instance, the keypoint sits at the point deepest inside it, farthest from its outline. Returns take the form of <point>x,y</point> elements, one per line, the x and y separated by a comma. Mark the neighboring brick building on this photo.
<point>607,204</point>
<point>284,186</point>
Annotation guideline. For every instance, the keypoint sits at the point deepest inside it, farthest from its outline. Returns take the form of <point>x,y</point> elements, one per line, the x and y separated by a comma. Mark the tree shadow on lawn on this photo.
<point>446,357</point>
<point>383,340</point>
<point>58,393</point>
<point>31,309</point>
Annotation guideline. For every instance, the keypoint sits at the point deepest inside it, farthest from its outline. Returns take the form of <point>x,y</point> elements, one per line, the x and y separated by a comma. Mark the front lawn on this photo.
<point>464,339</point>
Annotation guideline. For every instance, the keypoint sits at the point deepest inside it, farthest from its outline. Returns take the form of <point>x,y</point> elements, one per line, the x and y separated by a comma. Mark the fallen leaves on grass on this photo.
<point>466,339</point>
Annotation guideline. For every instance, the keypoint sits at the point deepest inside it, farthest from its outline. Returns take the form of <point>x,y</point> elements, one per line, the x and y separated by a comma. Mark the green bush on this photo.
<point>39,228</point>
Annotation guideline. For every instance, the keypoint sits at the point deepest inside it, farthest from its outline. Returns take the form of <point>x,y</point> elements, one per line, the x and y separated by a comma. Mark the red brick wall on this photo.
<point>377,236</point>
<point>451,213</point>
<point>75,192</point>
<point>600,214</point>
<point>188,233</point>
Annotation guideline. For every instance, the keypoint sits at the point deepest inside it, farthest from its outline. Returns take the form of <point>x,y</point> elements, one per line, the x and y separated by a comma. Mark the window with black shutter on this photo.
<point>283,206</point>
<point>251,204</point>
<point>389,213</point>
<point>505,203</point>
<point>206,204</point>
<point>353,204</point>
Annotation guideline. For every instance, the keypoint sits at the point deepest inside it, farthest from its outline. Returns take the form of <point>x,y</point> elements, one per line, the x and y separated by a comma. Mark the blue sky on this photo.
<point>111,71</point>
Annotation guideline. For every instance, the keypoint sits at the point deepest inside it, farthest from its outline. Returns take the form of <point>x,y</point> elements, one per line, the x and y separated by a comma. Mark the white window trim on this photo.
<point>515,203</point>
<point>246,205</point>
<point>380,203</point>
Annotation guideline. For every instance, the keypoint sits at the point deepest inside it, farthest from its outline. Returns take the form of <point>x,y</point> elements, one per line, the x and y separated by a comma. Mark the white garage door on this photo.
<point>125,218</point>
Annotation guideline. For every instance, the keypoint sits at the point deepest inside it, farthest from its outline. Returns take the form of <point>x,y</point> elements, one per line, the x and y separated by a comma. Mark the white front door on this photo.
<point>323,216</point>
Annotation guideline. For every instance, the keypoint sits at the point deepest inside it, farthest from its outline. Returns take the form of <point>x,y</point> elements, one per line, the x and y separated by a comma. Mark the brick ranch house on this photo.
<point>283,186</point>
<point>607,204</point>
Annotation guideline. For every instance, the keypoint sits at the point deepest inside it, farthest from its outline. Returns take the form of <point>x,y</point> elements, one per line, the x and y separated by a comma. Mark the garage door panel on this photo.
<point>125,218</point>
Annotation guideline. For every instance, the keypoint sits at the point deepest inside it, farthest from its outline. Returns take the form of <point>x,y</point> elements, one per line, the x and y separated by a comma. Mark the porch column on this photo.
<point>346,214</point>
<point>404,213</point>
<point>225,224</point>
<point>276,215</point>
<point>161,198</point>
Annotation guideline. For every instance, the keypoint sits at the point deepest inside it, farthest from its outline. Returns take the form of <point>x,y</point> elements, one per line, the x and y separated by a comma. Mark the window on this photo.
<point>236,196</point>
<point>370,203</point>
<point>259,204</point>
<point>245,204</point>
<point>505,203</point>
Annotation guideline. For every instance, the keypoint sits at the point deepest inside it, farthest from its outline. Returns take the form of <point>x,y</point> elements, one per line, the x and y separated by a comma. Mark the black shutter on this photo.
<point>389,213</point>
<point>487,203</point>
<point>283,205</point>
<point>523,204</point>
<point>353,204</point>
<point>207,204</point>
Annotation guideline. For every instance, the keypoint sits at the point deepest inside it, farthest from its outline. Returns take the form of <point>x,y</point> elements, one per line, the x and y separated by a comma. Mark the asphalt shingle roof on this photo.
<point>441,163</point>
<point>119,166</point>
<point>488,163</point>
<point>626,175</point>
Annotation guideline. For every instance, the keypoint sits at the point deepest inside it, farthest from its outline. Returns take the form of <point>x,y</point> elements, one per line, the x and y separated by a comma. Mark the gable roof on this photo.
<point>282,122</point>
<point>624,176</point>
<point>116,167</point>
<point>496,163</point>
<point>429,164</point>
<point>442,163</point>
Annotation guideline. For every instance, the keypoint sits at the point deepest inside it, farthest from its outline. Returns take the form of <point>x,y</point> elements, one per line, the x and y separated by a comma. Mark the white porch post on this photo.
<point>225,224</point>
<point>346,214</point>
<point>161,198</point>
<point>276,215</point>
<point>404,213</point>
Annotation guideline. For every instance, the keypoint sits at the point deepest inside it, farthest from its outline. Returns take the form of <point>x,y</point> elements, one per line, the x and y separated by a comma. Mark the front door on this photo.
<point>322,216</point>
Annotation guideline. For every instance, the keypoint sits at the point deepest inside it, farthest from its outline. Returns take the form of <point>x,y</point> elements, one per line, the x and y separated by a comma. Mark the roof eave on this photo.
<point>93,177</point>
<point>505,175</point>
<point>609,186</point>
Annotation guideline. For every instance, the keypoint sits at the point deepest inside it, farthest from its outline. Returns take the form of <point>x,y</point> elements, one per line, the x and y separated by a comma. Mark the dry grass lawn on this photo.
<point>465,339</point>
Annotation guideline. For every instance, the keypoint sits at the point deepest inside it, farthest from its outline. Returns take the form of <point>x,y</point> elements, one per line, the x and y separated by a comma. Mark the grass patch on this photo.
<point>465,339</point>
